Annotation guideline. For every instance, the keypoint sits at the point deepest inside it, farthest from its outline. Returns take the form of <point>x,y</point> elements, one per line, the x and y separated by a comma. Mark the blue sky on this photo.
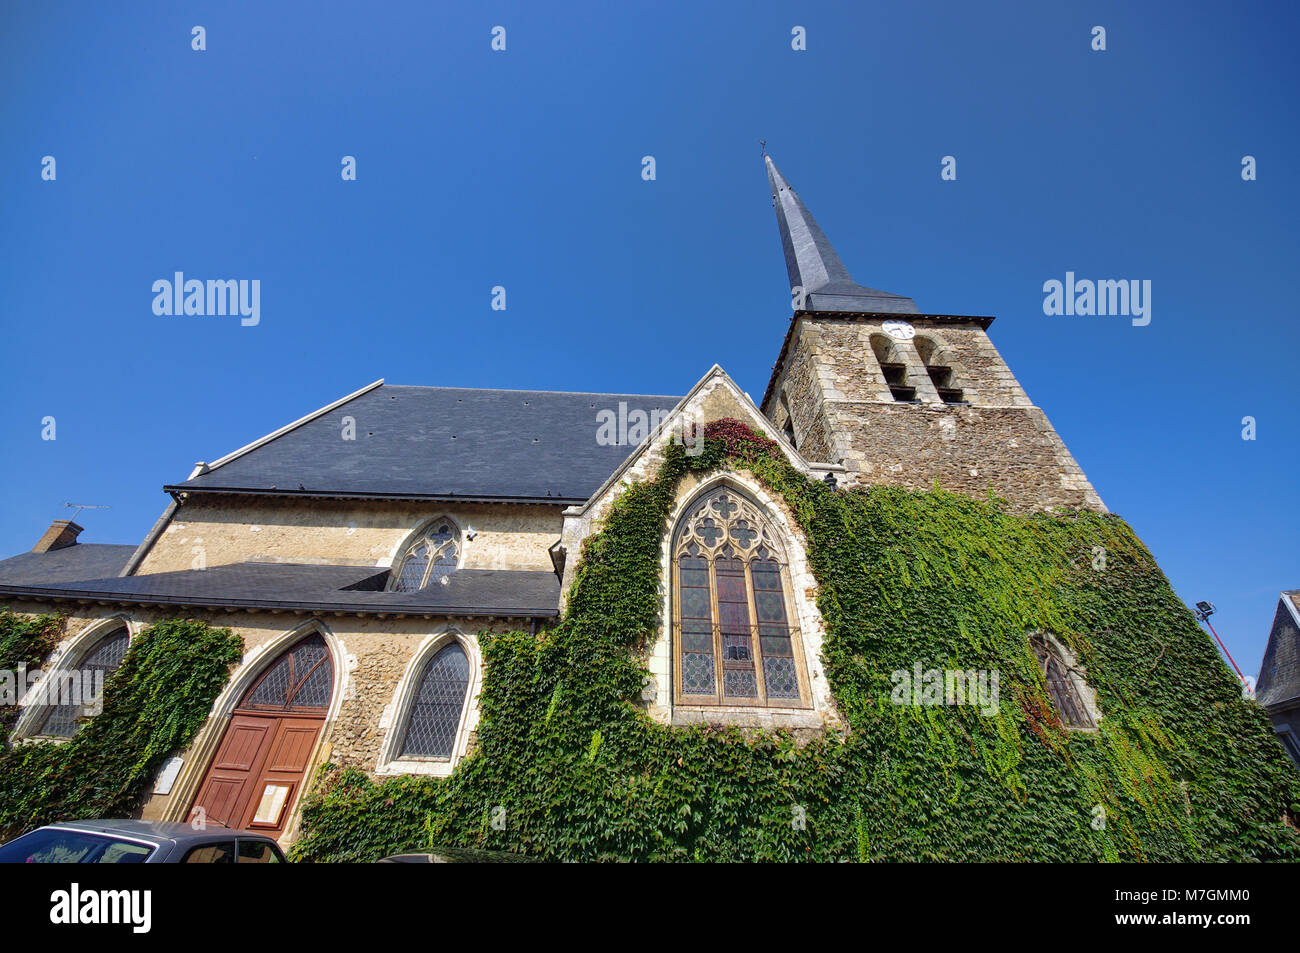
<point>523,169</point>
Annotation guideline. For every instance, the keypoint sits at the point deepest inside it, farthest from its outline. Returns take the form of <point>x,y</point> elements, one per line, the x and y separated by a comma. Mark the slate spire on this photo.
<point>813,264</point>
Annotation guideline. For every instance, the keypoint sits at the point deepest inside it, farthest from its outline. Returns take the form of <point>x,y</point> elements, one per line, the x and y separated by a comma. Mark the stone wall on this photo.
<point>375,656</point>
<point>230,529</point>
<point>843,411</point>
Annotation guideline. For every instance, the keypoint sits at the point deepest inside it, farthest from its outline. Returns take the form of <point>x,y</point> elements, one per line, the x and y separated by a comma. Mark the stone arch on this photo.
<point>1063,675</point>
<point>659,692</point>
<point>398,714</point>
<point>425,532</point>
<point>255,663</point>
<point>892,364</point>
<point>66,656</point>
<point>946,372</point>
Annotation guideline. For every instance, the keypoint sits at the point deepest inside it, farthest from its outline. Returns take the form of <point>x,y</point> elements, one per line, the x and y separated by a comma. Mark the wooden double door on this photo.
<point>258,772</point>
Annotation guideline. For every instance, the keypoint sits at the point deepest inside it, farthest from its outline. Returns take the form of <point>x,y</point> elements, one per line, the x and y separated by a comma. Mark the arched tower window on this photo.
<point>1062,683</point>
<point>434,554</point>
<point>103,658</point>
<point>939,366</point>
<point>438,705</point>
<point>893,367</point>
<point>735,641</point>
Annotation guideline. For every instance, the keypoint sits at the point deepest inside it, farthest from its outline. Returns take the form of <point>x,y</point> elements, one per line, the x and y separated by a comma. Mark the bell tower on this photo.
<point>901,397</point>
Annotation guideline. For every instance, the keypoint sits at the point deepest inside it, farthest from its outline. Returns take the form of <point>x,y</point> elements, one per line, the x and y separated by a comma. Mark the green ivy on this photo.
<point>25,642</point>
<point>154,704</point>
<point>569,767</point>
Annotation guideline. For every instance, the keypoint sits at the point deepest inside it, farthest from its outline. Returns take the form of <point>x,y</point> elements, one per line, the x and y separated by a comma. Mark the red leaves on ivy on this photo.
<point>739,438</point>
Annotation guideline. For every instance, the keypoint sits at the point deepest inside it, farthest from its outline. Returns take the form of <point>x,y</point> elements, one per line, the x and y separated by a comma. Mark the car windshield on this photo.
<point>54,846</point>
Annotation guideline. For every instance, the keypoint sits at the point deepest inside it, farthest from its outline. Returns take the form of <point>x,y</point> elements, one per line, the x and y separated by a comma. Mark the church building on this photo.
<point>361,551</point>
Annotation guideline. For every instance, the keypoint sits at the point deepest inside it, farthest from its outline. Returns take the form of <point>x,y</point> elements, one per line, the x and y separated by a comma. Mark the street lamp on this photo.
<point>1203,612</point>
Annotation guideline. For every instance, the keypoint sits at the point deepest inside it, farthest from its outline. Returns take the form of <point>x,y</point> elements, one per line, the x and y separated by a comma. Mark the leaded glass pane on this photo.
<point>314,692</point>
<point>697,642</point>
<point>300,678</point>
<point>697,674</point>
<point>60,721</point>
<point>776,645</point>
<point>273,690</point>
<point>736,648</point>
<point>444,565</point>
<point>695,603</point>
<point>739,683</point>
<point>439,700</point>
<point>412,574</point>
<point>780,678</point>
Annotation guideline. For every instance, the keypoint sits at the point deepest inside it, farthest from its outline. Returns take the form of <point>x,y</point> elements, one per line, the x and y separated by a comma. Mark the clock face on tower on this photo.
<point>899,330</point>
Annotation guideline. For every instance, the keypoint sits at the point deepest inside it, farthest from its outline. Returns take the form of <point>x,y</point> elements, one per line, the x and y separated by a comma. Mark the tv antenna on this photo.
<point>86,506</point>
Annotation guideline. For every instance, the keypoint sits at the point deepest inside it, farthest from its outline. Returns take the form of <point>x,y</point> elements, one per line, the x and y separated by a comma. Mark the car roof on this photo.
<point>159,831</point>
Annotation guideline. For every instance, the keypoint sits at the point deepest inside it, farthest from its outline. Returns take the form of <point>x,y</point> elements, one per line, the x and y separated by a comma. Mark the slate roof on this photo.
<point>814,266</point>
<point>269,585</point>
<point>79,561</point>
<point>438,443</point>
<point>1279,673</point>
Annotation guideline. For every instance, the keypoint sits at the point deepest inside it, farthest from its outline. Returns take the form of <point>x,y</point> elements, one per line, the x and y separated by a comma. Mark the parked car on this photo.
<point>139,842</point>
<point>459,855</point>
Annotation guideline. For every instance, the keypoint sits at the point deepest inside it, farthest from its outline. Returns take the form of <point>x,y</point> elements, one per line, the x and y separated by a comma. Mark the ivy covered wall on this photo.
<point>568,766</point>
<point>153,706</point>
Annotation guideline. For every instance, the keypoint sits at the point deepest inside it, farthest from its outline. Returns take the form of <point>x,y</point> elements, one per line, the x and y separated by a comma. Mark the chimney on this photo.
<point>62,533</point>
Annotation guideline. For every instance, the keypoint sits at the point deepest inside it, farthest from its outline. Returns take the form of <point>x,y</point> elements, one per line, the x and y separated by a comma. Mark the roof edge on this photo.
<point>182,488</point>
<point>715,372</point>
<point>248,448</point>
<point>38,593</point>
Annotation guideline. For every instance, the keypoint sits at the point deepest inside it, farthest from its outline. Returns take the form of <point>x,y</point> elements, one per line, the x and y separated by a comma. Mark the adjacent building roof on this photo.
<point>78,561</point>
<point>276,586</point>
<point>1279,673</point>
<point>813,264</point>
<point>438,443</point>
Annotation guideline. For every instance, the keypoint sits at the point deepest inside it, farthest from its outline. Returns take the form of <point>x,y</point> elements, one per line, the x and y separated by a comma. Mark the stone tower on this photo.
<point>866,380</point>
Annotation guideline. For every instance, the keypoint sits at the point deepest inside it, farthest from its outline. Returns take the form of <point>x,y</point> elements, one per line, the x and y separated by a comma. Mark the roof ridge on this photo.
<point>520,390</point>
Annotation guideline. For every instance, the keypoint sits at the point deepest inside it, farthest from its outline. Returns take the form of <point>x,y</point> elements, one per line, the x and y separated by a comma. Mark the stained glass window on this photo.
<point>1060,685</point>
<point>439,702</point>
<point>433,555</point>
<point>734,643</point>
<point>61,720</point>
<point>302,678</point>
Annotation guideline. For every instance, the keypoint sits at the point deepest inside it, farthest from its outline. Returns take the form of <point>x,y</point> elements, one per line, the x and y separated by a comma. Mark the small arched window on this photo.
<point>1061,681</point>
<point>434,554</point>
<point>438,705</point>
<point>893,367</point>
<point>62,718</point>
<point>939,366</point>
<point>735,643</point>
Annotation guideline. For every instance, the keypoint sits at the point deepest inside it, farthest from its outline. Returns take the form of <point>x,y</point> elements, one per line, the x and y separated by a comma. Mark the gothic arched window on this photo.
<point>437,707</point>
<point>433,554</point>
<point>1061,682</point>
<point>735,642</point>
<point>68,702</point>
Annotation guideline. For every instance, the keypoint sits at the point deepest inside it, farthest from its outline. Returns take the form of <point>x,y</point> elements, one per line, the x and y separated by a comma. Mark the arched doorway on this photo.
<point>258,771</point>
